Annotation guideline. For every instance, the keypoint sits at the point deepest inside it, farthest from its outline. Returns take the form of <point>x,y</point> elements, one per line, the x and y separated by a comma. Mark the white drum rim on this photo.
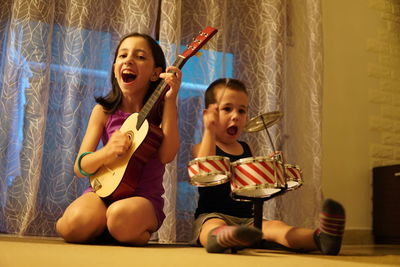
<point>256,187</point>
<point>253,159</point>
<point>207,158</point>
<point>212,183</point>
<point>299,184</point>
<point>293,166</point>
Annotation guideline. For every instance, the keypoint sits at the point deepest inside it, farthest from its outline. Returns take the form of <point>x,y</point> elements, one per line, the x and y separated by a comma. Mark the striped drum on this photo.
<point>257,177</point>
<point>294,177</point>
<point>209,171</point>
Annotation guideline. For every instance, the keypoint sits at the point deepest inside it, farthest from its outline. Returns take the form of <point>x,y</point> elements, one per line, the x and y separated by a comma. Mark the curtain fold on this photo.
<point>302,107</point>
<point>54,58</point>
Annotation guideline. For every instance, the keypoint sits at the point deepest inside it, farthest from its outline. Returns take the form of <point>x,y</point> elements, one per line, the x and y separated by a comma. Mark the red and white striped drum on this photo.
<point>257,177</point>
<point>209,171</point>
<point>294,177</point>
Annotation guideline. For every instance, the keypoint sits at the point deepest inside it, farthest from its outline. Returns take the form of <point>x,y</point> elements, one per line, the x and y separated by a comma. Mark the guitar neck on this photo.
<point>158,92</point>
<point>197,43</point>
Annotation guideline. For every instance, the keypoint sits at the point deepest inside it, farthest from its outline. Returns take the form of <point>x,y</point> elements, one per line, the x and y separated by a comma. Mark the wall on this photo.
<point>361,102</point>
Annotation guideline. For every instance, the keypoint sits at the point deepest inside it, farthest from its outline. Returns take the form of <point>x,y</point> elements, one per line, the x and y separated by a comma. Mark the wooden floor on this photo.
<point>32,252</point>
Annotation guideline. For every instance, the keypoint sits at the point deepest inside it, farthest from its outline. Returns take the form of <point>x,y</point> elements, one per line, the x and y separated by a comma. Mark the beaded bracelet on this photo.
<point>79,165</point>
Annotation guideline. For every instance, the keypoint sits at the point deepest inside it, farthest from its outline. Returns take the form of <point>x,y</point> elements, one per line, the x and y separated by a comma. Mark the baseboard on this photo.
<point>358,237</point>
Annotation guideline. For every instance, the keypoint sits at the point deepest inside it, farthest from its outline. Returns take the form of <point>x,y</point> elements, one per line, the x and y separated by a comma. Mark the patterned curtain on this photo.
<point>56,55</point>
<point>266,44</point>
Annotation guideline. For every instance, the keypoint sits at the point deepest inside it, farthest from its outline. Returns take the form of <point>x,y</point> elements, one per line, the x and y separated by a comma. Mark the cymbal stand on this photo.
<point>269,136</point>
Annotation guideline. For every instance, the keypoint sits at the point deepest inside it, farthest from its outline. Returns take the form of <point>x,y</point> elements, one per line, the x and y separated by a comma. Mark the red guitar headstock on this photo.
<point>199,41</point>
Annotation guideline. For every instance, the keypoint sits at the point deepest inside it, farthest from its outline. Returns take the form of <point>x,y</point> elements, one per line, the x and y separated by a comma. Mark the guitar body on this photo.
<point>119,179</point>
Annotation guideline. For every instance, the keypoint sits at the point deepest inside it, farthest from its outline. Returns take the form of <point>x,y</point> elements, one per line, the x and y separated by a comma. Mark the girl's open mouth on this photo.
<point>128,76</point>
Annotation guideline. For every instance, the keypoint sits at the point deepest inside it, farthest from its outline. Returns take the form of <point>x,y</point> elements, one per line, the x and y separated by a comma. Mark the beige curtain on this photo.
<point>56,55</point>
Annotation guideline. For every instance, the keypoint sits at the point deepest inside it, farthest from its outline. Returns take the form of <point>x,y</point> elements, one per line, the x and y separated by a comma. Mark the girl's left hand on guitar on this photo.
<point>172,77</point>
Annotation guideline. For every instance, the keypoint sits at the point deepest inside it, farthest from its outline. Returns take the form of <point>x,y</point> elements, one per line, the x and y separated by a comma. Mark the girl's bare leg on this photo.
<point>83,220</point>
<point>132,220</point>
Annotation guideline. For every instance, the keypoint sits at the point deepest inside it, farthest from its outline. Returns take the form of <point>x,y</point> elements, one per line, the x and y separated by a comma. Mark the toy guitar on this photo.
<point>110,181</point>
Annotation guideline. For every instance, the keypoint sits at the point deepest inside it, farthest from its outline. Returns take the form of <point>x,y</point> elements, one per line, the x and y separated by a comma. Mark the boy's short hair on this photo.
<point>230,83</point>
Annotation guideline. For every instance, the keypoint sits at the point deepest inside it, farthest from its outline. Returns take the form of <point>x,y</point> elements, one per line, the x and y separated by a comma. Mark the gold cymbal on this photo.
<point>262,121</point>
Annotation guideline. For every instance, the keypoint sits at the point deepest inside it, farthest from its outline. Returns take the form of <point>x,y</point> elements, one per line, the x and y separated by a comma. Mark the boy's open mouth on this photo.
<point>232,130</point>
<point>128,76</point>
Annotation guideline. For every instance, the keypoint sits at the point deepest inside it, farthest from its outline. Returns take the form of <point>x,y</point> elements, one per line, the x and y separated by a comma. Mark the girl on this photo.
<point>222,223</point>
<point>139,64</point>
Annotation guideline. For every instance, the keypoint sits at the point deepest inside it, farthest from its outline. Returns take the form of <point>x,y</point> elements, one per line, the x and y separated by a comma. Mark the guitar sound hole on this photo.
<point>130,135</point>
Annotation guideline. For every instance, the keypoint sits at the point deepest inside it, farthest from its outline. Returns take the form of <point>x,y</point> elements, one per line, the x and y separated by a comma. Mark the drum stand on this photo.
<point>258,202</point>
<point>258,205</point>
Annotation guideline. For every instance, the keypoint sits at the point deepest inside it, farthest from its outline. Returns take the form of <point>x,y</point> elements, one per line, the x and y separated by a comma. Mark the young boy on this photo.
<point>223,223</point>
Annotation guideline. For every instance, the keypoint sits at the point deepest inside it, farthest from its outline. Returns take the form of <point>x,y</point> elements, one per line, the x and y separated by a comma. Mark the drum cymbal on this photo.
<point>262,121</point>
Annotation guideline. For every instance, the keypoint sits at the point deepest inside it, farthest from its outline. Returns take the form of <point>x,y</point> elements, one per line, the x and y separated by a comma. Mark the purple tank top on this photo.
<point>150,184</point>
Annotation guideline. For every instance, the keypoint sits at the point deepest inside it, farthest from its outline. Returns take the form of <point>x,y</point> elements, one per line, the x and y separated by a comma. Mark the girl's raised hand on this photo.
<point>172,77</point>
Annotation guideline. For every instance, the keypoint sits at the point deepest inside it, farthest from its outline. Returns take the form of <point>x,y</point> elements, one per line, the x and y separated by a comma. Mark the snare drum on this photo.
<point>257,177</point>
<point>294,178</point>
<point>209,171</point>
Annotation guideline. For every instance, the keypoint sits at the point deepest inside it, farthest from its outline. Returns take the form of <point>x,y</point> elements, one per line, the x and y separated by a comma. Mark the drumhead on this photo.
<point>292,184</point>
<point>201,159</point>
<point>256,191</point>
<point>250,160</point>
<point>211,179</point>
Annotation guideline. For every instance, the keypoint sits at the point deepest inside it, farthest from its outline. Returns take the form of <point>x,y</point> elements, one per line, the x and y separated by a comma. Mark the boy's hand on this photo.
<point>117,146</point>
<point>172,77</point>
<point>211,118</point>
<point>207,145</point>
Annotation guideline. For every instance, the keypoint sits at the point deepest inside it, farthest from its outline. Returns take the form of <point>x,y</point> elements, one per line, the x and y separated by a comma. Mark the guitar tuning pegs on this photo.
<point>205,47</point>
<point>199,54</point>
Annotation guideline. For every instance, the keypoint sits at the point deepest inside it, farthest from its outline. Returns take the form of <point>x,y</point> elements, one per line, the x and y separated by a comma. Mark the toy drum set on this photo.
<point>251,179</point>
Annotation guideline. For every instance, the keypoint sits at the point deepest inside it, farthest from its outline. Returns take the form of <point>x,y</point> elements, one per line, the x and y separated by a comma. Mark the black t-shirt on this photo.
<point>218,199</point>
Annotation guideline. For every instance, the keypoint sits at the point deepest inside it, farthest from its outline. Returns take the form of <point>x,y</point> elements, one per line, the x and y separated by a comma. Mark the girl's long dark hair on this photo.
<point>113,99</point>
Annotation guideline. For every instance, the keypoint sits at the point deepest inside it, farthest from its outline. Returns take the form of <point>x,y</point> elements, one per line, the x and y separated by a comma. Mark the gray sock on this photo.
<point>328,237</point>
<point>224,237</point>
